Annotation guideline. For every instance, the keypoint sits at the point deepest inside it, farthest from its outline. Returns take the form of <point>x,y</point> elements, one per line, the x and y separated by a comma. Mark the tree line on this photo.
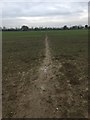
<point>26,28</point>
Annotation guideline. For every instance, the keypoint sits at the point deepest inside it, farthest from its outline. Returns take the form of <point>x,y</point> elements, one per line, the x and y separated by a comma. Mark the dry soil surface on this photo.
<point>37,100</point>
<point>50,95</point>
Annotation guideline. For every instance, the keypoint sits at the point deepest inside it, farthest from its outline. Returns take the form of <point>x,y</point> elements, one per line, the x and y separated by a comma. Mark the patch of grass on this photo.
<point>69,43</point>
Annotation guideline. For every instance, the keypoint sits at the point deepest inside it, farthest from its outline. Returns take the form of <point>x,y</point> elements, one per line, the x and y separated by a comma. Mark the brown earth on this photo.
<point>36,102</point>
<point>41,100</point>
<point>51,94</point>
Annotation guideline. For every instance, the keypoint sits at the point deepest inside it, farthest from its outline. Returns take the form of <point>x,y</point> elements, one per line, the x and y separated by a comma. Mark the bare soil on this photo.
<point>51,94</point>
<point>37,100</point>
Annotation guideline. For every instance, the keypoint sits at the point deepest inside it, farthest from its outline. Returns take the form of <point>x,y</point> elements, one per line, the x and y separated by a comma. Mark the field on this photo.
<point>45,74</point>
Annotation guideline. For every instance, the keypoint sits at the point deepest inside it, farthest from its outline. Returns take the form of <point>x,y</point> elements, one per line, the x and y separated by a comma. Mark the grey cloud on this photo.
<point>31,9</point>
<point>13,11</point>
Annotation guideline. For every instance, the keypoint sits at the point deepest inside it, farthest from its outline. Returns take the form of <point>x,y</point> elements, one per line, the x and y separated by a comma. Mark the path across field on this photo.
<point>45,76</point>
<point>38,98</point>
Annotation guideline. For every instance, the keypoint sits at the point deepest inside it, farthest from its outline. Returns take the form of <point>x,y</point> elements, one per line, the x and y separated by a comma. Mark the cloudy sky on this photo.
<point>45,13</point>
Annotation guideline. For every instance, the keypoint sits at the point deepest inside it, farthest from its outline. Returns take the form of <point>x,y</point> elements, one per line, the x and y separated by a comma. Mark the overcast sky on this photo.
<point>46,13</point>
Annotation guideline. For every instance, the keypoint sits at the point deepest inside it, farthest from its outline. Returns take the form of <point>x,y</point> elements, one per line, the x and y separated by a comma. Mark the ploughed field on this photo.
<point>45,74</point>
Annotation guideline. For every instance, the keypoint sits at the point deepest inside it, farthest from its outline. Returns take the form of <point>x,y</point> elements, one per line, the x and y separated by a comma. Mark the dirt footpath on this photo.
<point>37,102</point>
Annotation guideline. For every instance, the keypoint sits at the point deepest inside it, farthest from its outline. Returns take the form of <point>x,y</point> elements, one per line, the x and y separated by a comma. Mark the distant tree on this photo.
<point>65,27</point>
<point>4,28</point>
<point>74,27</point>
<point>86,26</point>
<point>80,27</point>
<point>24,28</point>
<point>36,28</point>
